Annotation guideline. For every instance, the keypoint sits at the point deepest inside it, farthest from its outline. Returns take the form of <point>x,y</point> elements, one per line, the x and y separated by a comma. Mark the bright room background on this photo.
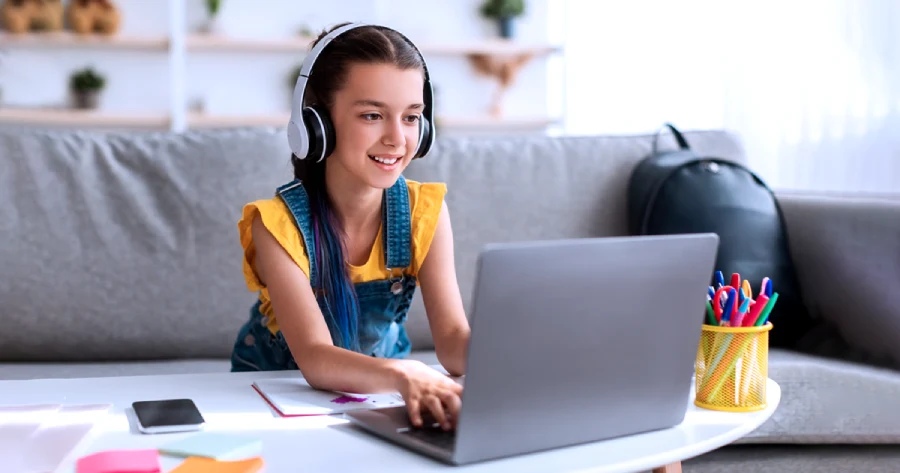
<point>812,87</point>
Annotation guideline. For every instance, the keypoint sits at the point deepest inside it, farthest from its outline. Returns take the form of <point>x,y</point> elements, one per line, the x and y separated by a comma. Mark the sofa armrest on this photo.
<point>846,252</point>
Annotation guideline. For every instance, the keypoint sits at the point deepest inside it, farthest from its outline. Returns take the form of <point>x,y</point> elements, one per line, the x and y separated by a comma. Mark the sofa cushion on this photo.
<point>846,252</point>
<point>830,401</point>
<point>514,188</point>
<point>124,246</point>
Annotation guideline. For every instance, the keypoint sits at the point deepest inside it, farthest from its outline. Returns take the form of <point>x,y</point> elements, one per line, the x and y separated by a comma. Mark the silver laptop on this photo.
<point>573,341</point>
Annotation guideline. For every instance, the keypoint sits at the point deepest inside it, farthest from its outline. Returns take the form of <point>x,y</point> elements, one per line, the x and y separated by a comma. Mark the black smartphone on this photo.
<point>167,415</point>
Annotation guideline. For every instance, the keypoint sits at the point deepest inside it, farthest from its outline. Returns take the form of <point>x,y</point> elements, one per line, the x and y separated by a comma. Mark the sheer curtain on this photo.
<point>811,86</point>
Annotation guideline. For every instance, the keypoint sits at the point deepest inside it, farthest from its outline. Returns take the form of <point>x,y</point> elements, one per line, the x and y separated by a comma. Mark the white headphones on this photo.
<point>310,130</point>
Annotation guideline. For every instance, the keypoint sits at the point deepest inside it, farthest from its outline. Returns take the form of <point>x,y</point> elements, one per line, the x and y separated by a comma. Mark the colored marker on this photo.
<point>710,316</point>
<point>739,317</point>
<point>755,310</point>
<point>748,292</point>
<point>764,317</point>
<point>736,281</point>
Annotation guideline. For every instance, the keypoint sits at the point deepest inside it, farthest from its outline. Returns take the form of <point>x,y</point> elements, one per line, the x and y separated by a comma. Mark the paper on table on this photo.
<point>295,397</point>
<point>59,435</point>
<point>120,461</point>
<point>214,445</point>
<point>208,465</point>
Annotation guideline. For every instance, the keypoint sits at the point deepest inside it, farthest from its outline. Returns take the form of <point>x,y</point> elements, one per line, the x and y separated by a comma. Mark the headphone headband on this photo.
<point>298,133</point>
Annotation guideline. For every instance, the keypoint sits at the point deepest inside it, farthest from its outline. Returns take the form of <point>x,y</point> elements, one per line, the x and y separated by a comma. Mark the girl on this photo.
<point>337,254</point>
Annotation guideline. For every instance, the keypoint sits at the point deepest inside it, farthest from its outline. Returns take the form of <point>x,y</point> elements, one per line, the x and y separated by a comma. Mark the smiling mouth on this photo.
<point>384,159</point>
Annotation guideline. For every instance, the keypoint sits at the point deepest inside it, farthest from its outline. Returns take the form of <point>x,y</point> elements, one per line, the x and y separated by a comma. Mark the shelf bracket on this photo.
<point>503,68</point>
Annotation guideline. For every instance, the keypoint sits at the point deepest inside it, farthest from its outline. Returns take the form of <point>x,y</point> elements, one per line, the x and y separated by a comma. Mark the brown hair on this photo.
<point>362,45</point>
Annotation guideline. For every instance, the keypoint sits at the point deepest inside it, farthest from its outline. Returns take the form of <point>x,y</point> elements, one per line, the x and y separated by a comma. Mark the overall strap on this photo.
<point>398,233</point>
<point>294,196</point>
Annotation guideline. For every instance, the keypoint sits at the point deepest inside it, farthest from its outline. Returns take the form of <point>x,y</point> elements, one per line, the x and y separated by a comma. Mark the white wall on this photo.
<point>254,82</point>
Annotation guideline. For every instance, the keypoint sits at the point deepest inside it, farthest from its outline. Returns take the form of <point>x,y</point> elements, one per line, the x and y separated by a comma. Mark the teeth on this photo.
<point>384,160</point>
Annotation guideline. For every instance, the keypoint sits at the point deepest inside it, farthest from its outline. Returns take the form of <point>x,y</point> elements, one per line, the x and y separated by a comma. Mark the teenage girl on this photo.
<point>337,254</point>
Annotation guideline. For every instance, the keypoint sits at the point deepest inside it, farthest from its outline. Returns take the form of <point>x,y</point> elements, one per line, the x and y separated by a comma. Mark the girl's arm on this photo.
<point>442,299</point>
<point>322,364</point>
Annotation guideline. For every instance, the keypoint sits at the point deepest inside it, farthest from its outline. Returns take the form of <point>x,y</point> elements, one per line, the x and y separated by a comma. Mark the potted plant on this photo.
<point>503,12</point>
<point>212,20</point>
<point>85,86</point>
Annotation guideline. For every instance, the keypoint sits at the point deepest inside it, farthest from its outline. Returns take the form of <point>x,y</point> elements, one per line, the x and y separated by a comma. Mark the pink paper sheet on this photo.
<point>120,461</point>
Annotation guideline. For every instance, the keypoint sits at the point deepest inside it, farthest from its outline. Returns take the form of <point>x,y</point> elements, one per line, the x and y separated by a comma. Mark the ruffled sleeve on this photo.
<point>426,200</point>
<point>278,220</point>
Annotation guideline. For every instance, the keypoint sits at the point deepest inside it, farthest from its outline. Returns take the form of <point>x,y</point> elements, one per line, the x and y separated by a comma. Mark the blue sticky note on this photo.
<point>219,446</point>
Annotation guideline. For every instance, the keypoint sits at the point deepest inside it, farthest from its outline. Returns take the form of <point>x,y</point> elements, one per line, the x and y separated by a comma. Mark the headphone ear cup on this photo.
<point>424,144</point>
<point>321,133</point>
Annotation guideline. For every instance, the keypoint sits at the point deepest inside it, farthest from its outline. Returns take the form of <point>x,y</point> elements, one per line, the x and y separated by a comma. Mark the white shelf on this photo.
<point>71,40</point>
<point>211,42</point>
<point>202,42</point>
<point>82,118</point>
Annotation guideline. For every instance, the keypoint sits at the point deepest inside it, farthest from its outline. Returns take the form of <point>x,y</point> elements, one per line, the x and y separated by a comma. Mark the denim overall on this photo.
<point>383,304</point>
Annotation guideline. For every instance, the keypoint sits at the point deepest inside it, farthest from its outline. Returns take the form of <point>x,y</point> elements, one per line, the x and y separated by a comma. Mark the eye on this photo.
<point>371,116</point>
<point>413,118</point>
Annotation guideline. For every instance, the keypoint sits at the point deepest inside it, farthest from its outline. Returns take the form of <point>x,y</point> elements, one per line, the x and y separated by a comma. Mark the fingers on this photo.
<point>415,416</point>
<point>433,402</point>
<point>452,405</point>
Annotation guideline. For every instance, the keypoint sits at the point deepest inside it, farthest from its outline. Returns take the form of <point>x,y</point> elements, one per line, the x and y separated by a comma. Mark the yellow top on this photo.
<point>425,201</point>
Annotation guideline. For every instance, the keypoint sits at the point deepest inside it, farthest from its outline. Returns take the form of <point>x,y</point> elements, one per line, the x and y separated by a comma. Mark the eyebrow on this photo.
<point>375,103</point>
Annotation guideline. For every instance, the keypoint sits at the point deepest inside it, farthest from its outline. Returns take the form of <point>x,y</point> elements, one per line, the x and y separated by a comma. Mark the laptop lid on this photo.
<point>581,340</point>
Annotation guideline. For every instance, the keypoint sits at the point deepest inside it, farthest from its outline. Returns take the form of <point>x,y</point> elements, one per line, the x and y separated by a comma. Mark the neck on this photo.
<point>356,205</point>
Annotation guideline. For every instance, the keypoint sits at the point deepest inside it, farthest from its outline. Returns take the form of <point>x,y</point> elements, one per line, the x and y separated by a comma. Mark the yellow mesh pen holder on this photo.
<point>732,368</point>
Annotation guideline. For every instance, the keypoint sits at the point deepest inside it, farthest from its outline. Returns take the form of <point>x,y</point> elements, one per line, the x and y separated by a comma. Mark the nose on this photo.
<point>394,133</point>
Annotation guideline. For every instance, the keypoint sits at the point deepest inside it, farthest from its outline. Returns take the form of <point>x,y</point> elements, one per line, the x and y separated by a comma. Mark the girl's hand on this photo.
<point>426,390</point>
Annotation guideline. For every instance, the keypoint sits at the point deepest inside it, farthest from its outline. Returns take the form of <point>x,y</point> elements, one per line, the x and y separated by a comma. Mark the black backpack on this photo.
<point>677,192</point>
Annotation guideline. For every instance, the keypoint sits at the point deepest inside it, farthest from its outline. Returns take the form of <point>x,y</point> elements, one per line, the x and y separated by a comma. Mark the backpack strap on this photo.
<point>682,143</point>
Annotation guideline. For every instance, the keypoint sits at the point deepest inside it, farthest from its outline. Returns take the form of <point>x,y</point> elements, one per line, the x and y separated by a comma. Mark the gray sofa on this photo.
<point>120,256</point>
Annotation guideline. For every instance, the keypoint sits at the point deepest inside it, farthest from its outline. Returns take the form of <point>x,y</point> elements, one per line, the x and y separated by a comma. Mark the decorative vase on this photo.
<point>86,100</point>
<point>507,27</point>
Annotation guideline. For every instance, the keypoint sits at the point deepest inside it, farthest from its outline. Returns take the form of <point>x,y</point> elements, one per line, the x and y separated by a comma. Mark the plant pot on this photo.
<point>507,26</point>
<point>86,100</point>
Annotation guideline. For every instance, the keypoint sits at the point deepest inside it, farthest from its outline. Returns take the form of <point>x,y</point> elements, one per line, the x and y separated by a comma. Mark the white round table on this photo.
<point>326,443</point>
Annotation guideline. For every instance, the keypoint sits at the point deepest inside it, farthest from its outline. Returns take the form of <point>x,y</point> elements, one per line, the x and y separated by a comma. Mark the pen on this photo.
<point>764,317</point>
<point>736,281</point>
<point>769,288</point>
<point>710,316</point>
<point>720,279</point>
<point>729,308</point>
<point>739,317</point>
<point>755,310</point>
<point>748,292</point>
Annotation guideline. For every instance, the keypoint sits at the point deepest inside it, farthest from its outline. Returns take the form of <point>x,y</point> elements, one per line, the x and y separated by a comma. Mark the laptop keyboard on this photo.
<point>433,435</point>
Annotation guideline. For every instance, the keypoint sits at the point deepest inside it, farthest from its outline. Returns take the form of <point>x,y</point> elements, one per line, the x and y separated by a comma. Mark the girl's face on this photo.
<point>376,120</point>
